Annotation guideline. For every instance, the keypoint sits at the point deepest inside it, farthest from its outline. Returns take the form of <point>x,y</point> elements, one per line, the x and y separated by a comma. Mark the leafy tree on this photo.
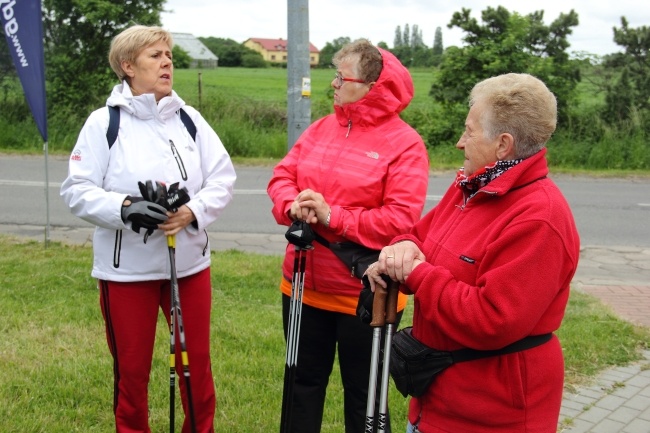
<point>416,36</point>
<point>631,91</point>
<point>182,59</point>
<point>406,38</point>
<point>253,60</point>
<point>411,50</point>
<point>231,53</point>
<point>78,35</point>
<point>328,51</point>
<point>508,42</point>
<point>437,42</point>
<point>620,98</point>
<point>398,42</point>
<point>7,68</point>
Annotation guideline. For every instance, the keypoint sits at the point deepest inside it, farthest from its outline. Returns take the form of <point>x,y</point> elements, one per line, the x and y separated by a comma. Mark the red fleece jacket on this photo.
<point>497,269</point>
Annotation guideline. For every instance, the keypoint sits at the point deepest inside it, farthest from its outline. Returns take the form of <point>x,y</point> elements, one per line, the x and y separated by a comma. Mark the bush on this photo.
<point>253,61</point>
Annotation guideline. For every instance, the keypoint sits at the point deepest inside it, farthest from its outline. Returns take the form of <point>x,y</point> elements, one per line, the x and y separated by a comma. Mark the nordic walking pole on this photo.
<point>172,348</point>
<point>378,320</point>
<point>178,315</point>
<point>301,236</point>
<point>390,320</point>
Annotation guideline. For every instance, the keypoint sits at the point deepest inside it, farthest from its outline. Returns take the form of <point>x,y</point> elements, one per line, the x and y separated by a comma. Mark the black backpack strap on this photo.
<point>529,342</point>
<point>321,240</point>
<point>113,125</point>
<point>189,124</point>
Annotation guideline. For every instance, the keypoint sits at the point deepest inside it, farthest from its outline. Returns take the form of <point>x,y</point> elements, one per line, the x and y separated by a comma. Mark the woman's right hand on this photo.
<point>298,212</point>
<point>397,261</point>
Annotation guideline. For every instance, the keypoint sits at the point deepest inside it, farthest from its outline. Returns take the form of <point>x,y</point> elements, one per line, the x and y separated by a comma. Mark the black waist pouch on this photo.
<point>414,365</point>
<point>356,257</point>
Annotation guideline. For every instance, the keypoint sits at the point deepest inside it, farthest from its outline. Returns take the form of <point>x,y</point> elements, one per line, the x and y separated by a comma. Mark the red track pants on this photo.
<point>130,313</point>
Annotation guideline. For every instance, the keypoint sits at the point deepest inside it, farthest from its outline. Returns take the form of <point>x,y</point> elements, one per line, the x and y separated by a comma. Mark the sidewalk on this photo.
<point>618,401</point>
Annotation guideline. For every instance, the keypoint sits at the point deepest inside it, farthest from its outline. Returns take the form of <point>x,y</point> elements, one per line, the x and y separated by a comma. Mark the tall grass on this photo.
<point>248,109</point>
<point>57,371</point>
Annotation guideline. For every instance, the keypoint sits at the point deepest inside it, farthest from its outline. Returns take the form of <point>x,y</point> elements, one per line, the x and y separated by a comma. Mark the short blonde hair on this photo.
<point>128,44</point>
<point>520,105</point>
<point>368,57</point>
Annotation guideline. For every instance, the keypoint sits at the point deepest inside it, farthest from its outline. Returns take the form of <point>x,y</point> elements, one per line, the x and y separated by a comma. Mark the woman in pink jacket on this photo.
<point>490,265</point>
<point>357,175</point>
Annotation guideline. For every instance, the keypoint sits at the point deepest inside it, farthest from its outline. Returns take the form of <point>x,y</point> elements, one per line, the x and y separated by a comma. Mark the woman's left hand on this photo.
<point>177,221</point>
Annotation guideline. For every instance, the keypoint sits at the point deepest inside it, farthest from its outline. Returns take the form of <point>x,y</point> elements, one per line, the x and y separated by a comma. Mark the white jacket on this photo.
<point>99,179</point>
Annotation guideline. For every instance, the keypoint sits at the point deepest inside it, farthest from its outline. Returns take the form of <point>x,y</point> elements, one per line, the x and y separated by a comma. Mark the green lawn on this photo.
<point>57,371</point>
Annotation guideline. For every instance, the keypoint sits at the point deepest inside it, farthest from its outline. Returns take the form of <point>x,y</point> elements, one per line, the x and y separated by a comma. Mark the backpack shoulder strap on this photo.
<point>189,124</point>
<point>113,125</point>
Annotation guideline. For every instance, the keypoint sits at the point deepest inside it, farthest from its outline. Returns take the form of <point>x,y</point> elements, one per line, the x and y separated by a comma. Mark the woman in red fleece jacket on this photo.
<point>490,265</point>
<point>359,174</point>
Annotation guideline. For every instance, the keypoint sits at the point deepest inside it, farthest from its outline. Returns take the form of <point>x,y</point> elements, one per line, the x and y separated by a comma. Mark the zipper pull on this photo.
<point>349,127</point>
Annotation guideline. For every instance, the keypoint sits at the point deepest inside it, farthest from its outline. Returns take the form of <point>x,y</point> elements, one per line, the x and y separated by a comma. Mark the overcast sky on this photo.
<point>378,19</point>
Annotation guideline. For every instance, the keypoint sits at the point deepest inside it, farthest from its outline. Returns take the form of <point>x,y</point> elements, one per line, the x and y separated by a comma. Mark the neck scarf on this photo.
<point>474,182</point>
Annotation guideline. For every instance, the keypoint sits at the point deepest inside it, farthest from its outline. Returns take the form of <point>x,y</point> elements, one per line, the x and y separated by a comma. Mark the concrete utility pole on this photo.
<point>298,73</point>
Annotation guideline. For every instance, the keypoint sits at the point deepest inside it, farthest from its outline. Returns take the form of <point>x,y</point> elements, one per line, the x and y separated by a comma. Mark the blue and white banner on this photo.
<point>23,27</point>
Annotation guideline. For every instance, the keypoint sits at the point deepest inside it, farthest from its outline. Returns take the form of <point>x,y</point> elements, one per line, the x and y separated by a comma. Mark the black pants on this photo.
<point>321,333</point>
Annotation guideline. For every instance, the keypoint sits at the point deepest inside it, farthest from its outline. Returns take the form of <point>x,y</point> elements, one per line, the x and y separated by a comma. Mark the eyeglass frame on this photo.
<point>340,79</point>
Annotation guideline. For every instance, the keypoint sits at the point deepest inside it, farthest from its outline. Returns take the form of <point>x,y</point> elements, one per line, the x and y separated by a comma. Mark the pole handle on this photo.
<point>379,306</point>
<point>391,302</point>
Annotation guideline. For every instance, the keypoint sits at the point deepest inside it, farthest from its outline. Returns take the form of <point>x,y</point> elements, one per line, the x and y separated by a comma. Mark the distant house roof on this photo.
<point>279,44</point>
<point>194,47</point>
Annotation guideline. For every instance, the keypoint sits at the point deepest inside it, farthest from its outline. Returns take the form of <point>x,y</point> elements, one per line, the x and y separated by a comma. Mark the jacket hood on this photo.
<point>390,95</point>
<point>144,106</point>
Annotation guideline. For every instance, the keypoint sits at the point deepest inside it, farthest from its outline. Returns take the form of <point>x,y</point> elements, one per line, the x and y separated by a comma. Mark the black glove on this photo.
<point>143,214</point>
<point>157,195</point>
<point>176,197</point>
<point>170,199</point>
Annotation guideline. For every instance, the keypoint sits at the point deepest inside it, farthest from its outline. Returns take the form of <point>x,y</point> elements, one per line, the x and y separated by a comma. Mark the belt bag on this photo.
<point>414,365</point>
<point>355,256</point>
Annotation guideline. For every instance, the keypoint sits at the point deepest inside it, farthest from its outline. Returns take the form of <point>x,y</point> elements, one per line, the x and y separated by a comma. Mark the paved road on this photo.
<point>610,212</point>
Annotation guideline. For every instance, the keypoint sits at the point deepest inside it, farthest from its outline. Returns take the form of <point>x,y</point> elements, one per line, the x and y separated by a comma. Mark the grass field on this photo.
<point>57,371</point>
<point>270,86</point>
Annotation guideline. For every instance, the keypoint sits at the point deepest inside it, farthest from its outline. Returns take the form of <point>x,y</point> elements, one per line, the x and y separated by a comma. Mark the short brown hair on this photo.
<point>128,44</point>
<point>369,63</point>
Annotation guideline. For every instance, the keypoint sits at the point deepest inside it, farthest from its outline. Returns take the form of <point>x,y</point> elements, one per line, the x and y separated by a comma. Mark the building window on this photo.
<point>272,56</point>
<point>284,58</point>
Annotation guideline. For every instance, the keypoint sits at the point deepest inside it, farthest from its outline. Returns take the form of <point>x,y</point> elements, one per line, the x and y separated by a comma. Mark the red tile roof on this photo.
<point>279,44</point>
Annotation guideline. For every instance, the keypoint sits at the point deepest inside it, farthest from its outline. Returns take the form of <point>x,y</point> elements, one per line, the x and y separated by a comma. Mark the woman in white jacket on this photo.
<point>131,260</point>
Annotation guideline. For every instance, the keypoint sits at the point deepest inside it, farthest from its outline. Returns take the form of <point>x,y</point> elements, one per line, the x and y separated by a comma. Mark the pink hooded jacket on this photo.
<point>372,169</point>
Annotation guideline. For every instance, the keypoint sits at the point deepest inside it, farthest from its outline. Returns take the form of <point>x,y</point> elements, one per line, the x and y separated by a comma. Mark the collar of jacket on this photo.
<point>144,106</point>
<point>527,171</point>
